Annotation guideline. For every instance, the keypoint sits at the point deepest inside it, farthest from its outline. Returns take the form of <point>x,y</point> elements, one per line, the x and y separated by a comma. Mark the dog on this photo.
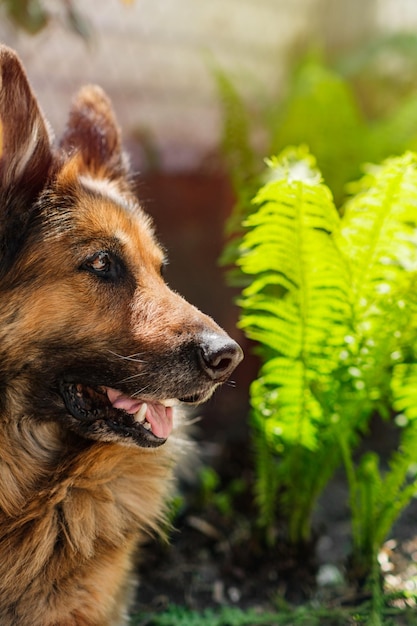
<point>97,357</point>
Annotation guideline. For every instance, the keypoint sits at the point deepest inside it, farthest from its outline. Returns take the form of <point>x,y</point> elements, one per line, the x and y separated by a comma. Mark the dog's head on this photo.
<point>90,334</point>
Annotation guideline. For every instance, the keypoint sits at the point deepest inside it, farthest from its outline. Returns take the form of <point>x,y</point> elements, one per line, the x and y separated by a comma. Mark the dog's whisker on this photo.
<point>130,357</point>
<point>140,391</point>
<point>132,377</point>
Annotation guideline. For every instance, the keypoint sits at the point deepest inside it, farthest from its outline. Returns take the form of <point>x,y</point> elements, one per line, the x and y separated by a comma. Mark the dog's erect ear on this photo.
<point>25,152</point>
<point>93,133</point>
<point>25,155</point>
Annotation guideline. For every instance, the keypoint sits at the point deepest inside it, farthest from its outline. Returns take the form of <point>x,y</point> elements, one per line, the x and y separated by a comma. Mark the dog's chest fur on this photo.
<point>78,526</point>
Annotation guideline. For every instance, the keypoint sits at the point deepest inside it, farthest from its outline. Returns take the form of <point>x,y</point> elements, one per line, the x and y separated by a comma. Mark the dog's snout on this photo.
<point>219,355</point>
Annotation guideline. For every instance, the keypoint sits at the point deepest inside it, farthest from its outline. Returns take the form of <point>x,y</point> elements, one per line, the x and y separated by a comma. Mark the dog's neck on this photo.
<point>62,470</point>
<point>28,454</point>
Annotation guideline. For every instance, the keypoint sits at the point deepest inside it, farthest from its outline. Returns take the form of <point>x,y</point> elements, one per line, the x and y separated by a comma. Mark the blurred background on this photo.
<point>156,59</point>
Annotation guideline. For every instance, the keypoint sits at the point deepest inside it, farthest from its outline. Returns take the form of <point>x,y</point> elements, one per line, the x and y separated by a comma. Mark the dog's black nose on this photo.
<point>219,355</point>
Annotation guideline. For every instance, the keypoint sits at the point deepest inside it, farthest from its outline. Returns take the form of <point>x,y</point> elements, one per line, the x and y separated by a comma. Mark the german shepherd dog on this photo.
<point>97,355</point>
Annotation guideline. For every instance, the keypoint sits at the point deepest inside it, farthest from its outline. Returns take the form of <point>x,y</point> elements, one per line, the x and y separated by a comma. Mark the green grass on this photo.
<point>301,616</point>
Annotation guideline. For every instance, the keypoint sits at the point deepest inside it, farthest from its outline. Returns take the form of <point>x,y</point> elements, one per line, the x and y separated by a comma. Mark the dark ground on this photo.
<point>215,559</point>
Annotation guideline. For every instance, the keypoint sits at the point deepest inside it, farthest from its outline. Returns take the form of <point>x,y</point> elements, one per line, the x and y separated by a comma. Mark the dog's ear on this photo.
<point>25,155</point>
<point>25,151</point>
<point>93,133</point>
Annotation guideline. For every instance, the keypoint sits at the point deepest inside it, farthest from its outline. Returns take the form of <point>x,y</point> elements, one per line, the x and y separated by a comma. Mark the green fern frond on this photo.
<point>383,495</point>
<point>333,308</point>
<point>282,394</point>
<point>267,475</point>
<point>379,236</point>
<point>236,132</point>
<point>379,227</point>
<point>298,303</point>
<point>396,133</point>
<point>398,486</point>
<point>297,308</point>
<point>242,163</point>
<point>404,390</point>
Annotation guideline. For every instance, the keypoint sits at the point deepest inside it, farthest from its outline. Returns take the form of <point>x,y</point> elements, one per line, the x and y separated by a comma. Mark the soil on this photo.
<point>216,558</point>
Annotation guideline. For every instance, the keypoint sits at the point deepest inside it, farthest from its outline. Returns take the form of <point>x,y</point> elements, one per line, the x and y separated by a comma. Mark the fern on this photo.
<point>379,229</point>
<point>242,164</point>
<point>296,308</point>
<point>332,306</point>
<point>383,495</point>
<point>331,302</point>
<point>395,132</point>
<point>379,235</point>
<point>236,135</point>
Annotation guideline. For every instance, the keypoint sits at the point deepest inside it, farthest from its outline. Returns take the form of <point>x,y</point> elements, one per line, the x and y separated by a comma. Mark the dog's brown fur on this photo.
<point>82,302</point>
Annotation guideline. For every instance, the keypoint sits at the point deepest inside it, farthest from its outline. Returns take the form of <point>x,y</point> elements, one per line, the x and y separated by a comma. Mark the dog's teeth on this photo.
<point>140,415</point>
<point>146,425</point>
<point>169,402</point>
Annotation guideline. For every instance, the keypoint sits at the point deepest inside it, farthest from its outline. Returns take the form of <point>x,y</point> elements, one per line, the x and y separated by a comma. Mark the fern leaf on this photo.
<point>242,163</point>
<point>404,389</point>
<point>379,228</point>
<point>379,236</point>
<point>298,304</point>
<point>396,489</point>
<point>267,474</point>
<point>286,404</point>
<point>236,141</point>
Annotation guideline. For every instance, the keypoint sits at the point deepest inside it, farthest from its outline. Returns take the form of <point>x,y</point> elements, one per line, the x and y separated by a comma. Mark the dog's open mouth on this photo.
<point>100,409</point>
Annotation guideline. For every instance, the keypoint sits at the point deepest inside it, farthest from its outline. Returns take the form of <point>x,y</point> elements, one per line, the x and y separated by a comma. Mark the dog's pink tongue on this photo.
<point>120,401</point>
<point>158,416</point>
<point>160,419</point>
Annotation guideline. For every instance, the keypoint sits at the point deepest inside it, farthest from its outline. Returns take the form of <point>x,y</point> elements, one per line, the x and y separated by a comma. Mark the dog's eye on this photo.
<point>163,268</point>
<point>102,264</point>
